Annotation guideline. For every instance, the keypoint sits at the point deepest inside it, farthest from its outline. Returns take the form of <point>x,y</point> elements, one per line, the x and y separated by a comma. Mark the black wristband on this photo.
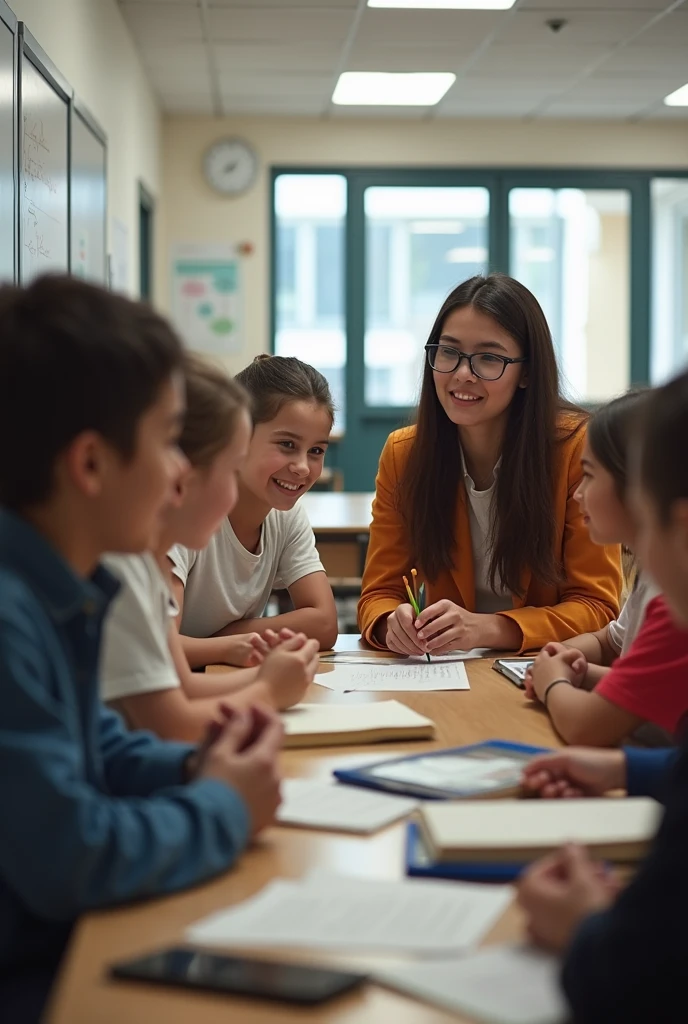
<point>550,686</point>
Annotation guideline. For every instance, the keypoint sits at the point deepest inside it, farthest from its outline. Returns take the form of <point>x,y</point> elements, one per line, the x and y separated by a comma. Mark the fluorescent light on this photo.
<point>447,5</point>
<point>679,98</point>
<point>378,88</point>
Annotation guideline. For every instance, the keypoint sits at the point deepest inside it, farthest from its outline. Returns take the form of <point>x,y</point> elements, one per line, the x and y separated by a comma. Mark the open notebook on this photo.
<point>324,725</point>
<point>522,830</point>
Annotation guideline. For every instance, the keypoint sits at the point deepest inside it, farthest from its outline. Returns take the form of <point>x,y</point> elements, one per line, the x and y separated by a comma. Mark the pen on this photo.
<point>416,598</point>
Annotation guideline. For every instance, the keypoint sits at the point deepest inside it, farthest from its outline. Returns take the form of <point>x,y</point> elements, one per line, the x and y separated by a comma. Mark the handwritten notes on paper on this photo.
<point>398,675</point>
<point>43,185</point>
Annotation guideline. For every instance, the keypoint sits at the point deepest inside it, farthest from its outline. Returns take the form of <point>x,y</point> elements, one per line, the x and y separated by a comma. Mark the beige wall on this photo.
<point>193,213</point>
<point>91,46</point>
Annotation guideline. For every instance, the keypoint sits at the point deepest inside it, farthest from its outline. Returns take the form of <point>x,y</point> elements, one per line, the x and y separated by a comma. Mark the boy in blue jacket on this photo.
<point>625,956</point>
<point>91,404</point>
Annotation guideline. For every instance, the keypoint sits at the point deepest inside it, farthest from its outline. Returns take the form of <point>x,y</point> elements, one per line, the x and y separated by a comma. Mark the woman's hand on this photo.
<point>402,635</point>
<point>575,772</point>
<point>558,892</point>
<point>444,627</point>
<point>548,667</point>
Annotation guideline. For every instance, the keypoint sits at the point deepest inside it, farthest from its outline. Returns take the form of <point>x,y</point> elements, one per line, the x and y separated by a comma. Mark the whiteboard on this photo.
<point>8,195</point>
<point>88,201</point>
<point>43,186</point>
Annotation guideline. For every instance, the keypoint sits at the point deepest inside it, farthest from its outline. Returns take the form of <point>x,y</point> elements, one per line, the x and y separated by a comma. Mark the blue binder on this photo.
<point>419,864</point>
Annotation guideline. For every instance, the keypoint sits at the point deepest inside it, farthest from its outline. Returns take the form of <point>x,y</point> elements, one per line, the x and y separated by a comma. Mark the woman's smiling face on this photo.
<point>469,400</point>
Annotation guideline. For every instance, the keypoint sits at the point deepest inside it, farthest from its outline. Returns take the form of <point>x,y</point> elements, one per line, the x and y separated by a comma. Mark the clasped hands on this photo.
<point>442,627</point>
<point>555,661</point>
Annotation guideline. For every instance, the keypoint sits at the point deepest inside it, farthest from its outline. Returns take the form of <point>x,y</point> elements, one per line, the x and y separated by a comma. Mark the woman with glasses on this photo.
<point>478,495</point>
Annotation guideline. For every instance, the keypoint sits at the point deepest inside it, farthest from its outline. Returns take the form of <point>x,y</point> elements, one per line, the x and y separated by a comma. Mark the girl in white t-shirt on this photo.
<point>266,542</point>
<point>144,671</point>
<point>602,496</point>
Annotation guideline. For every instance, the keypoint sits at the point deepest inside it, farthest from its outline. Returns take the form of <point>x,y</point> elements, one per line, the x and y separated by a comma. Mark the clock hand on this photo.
<point>230,167</point>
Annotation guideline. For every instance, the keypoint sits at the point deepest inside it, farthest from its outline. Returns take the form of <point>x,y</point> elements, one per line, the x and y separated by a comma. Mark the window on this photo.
<point>420,243</point>
<point>571,248</point>
<point>309,275</point>
<point>669,351</point>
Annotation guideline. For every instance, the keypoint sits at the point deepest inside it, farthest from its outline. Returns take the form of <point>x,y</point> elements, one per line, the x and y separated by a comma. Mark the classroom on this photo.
<point>347,342</point>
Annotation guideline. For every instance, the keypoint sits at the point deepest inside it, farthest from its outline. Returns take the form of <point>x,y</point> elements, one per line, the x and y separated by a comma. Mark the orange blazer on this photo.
<point>586,600</point>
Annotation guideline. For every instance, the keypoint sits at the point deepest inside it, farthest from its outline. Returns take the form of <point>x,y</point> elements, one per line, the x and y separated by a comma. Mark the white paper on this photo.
<point>419,917</point>
<point>399,676</point>
<point>331,805</point>
<point>498,985</point>
<point>455,772</point>
<point>368,658</point>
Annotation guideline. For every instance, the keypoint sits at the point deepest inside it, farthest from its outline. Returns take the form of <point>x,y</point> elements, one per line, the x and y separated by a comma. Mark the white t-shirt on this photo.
<point>480,518</point>
<point>225,583</point>
<point>623,631</point>
<point>135,656</point>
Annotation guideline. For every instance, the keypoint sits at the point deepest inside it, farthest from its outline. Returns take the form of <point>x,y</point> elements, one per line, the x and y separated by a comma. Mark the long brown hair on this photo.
<point>524,522</point>
<point>610,436</point>
<point>272,381</point>
<point>213,404</point>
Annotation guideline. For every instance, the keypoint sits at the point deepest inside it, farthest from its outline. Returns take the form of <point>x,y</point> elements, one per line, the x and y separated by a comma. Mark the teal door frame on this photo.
<point>367,427</point>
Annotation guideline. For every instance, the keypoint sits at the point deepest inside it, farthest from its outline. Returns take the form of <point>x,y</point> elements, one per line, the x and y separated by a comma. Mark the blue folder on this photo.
<point>366,776</point>
<point>419,864</point>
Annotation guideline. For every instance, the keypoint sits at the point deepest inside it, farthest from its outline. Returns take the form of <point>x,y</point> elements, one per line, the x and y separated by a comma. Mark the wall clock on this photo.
<point>230,166</point>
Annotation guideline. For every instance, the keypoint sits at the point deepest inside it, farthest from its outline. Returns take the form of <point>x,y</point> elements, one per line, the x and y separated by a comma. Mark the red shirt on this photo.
<point>651,680</point>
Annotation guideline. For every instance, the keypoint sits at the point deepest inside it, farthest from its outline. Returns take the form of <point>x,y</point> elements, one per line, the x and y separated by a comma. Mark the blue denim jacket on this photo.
<point>90,814</point>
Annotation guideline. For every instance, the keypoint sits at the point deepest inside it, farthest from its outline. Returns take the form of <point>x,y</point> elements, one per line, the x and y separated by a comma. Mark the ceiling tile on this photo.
<point>293,25</point>
<point>671,32</point>
<point>232,84</point>
<point>151,23</point>
<point>596,28</point>
<point>570,6</point>
<point>465,29</point>
<point>273,57</point>
<point>281,105</point>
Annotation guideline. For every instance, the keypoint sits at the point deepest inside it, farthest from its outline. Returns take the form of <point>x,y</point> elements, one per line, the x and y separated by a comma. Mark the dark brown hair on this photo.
<point>610,433</point>
<point>272,381</point>
<point>73,357</point>
<point>213,404</point>
<point>663,445</point>
<point>524,524</point>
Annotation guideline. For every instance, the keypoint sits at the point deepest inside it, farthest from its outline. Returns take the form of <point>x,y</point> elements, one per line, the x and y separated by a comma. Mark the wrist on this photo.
<point>502,633</point>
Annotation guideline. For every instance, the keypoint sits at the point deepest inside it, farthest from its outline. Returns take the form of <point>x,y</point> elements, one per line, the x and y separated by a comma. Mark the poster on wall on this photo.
<point>206,298</point>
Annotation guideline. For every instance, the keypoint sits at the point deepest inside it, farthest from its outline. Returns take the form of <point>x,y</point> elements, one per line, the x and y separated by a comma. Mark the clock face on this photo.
<point>230,166</point>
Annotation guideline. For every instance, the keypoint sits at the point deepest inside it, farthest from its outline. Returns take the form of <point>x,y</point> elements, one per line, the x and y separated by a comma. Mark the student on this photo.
<point>625,957</point>
<point>603,500</point>
<point>266,542</point>
<point>144,672</point>
<point>478,494</point>
<point>647,684</point>
<point>91,397</point>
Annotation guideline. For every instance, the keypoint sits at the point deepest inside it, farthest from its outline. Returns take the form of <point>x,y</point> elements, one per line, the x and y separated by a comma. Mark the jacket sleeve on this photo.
<point>628,963</point>
<point>648,771</point>
<point>591,587</point>
<point>138,763</point>
<point>72,847</point>
<point>382,589</point>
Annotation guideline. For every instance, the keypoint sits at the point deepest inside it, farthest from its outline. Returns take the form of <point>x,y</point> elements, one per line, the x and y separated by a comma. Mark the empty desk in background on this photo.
<point>341,524</point>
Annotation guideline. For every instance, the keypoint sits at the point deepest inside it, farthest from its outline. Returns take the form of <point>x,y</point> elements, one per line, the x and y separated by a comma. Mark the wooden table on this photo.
<point>493,708</point>
<point>341,524</point>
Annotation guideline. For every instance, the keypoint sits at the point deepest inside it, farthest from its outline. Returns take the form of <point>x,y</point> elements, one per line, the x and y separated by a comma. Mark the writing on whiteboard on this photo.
<point>37,180</point>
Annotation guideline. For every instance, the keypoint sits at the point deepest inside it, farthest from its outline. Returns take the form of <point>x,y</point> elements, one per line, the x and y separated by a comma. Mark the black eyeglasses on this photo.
<point>486,365</point>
